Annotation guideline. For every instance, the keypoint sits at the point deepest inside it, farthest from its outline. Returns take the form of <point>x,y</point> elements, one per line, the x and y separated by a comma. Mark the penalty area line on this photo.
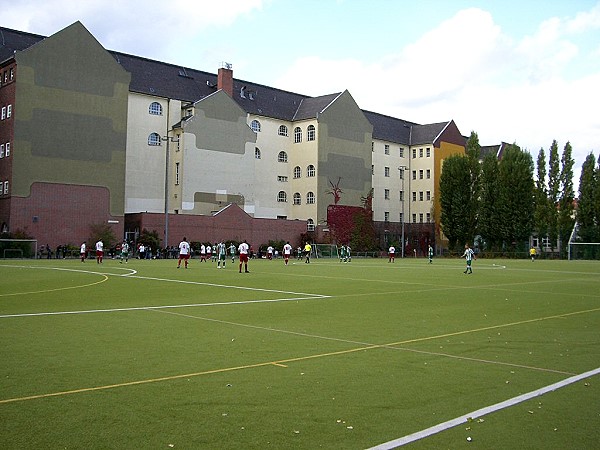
<point>483,411</point>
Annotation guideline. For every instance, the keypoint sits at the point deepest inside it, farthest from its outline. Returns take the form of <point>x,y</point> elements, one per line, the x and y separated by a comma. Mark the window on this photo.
<point>386,149</point>
<point>401,218</point>
<point>311,133</point>
<point>401,171</point>
<point>256,153</point>
<point>8,111</point>
<point>155,109</point>
<point>414,195</point>
<point>1,150</point>
<point>310,225</point>
<point>310,198</point>
<point>297,198</point>
<point>386,194</point>
<point>414,152</point>
<point>428,174</point>
<point>428,152</point>
<point>297,135</point>
<point>5,187</point>
<point>386,171</point>
<point>428,196</point>
<point>12,74</point>
<point>421,217</point>
<point>310,171</point>
<point>255,125</point>
<point>414,174</point>
<point>282,178</point>
<point>428,217</point>
<point>154,139</point>
<point>420,174</point>
<point>177,173</point>
<point>420,153</point>
<point>3,115</point>
<point>420,196</point>
<point>297,172</point>
<point>414,218</point>
<point>282,157</point>
<point>372,146</point>
<point>7,149</point>
<point>401,196</point>
<point>372,169</point>
<point>283,131</point>
<point>386,216</point>
<point>401,152</point>
<point>281,197</point>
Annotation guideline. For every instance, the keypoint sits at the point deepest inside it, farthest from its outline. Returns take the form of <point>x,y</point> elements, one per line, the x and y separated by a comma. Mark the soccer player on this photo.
<point>99,251</point>
<point>391,254</point>
<point>532,253</point>
<point>342,253</point>
<point>430,254</point>
<point>221,250</point>
<point>82,252</point>
<point>184,253</point>
<point>269,252</point>
<point>469,254</point>
<point>244,249</point>
<point>209,253</point>
<point>232,252</point>
<point>124,252</point>
<point>307,250</point>
<point>348,253</point>
<point>287,252</point>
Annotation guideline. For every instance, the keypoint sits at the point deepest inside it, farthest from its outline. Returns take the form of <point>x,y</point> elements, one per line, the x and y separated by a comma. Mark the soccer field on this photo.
<point>321,355</point>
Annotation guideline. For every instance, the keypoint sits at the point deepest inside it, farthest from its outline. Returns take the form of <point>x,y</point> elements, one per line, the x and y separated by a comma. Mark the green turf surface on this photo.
<point>320,355</point>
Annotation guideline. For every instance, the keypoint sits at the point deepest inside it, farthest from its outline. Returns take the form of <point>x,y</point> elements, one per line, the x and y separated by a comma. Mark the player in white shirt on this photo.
<point>243,250</point>
<point>99,251</point>
<point>287,252</point>
<point>184,252</point>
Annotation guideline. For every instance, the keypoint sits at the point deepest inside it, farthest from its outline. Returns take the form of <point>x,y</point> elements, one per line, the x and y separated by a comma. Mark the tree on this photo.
<point>553,192</point>
<point>515,197</point>
<point>586,213</point>
<point>489,221</point>
<point>473,153</point>
<point>543,207</point>
<point>102,232</point>
<point>455,200</point>
<point>566,209</point>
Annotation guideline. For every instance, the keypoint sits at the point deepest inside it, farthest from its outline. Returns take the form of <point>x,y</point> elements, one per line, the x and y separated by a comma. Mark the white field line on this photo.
<point>482,412</point>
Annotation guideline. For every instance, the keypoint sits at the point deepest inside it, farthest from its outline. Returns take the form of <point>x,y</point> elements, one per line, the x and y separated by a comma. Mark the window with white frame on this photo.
<point>420,153</point>
<point>414,218</point>
<point>386,216</point>
<point>311,133</point>
<point>282,178</point>
<point>177,173</point>
<point>310,225</point>
<point>421,217</point>
<point>386,171</point>
<point>6,187</point>
<point>401,172</point>
<point>283,130</point>
<point>420,174</point>
<point>401,218</point>
<point>281,197</point>
<point>3,114</point>
<point>414,196</point>
<point>155,109</point>
<point>401,196</point>
<point>297,172</point>
<point>310,198</point>
<point>401,152</point>
<point>311,171</point>
<point>420,196</point>
<point>428,152</point>
<point>154,139</point>
<point>297,198</point>
<point>1,150</point>
<point>428,195</point>
<point>428,217</point>
<point>297,135</point>
<point>414,174</point>
<point>386,194</point>
<point>414,153</point>
<point>282,157</point>
<point>8,111</point>
<point>256,153</point>
<point>386,149</point>
<point>255,125</point>
<point>7,149</point>
<point>428,174</point>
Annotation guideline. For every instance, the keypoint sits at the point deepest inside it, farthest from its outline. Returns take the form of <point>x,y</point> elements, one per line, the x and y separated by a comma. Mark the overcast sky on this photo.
<point>524,71</point>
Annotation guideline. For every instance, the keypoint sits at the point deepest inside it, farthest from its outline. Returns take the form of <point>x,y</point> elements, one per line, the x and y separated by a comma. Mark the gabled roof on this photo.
<point>190,85</point>
<point>496,150</point>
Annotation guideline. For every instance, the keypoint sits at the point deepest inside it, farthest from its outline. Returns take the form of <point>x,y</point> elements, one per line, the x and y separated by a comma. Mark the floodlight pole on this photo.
<point>403,170</point>
<point>168,139</point>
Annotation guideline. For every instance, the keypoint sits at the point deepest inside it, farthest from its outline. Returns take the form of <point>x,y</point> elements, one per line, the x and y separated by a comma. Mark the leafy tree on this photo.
<point>150,239</point>
<point>515,196</point>
<point>566,209</point>
<point>455,200</point>
<point>543,206</point>
<point>588,188</point>
<point>473,153</point>
<point>103,232</point>
<point>553,193</point>
<point>489,221</point>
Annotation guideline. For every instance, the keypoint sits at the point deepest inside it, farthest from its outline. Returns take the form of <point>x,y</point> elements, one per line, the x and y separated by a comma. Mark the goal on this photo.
<point>584,250</point>
<point>18,248</point>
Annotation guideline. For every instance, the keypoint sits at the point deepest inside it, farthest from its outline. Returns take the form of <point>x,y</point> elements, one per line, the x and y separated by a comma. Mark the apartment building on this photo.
<point>95,135</point>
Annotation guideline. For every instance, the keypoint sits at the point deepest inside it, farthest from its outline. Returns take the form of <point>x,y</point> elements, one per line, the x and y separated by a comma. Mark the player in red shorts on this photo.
<point>184,252</point>
<point>243,250</point>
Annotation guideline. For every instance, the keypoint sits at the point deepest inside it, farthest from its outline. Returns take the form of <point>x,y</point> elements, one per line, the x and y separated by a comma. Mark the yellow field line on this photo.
<point>57,289</point>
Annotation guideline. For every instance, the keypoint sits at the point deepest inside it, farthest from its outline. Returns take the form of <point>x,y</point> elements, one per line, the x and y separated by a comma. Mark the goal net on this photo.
<point>325,251</point>
<point>584,250</point>
<point>18,248</point>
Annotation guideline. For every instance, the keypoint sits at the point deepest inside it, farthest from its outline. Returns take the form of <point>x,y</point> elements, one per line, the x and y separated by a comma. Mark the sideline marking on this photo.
<point>482,412</point>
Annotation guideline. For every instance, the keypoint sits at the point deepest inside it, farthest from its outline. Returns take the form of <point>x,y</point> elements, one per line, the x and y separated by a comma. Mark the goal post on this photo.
<point>18,248</point>
<point>325,251</point>
<point>584,250</point>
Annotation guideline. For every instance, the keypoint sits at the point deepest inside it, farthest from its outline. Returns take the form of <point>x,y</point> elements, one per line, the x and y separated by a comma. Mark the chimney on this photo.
<point>225,78</point>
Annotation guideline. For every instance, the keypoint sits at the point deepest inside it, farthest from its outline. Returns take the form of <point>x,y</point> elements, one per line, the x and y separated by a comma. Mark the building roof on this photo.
<point>496,150</point>
<point>190,85</point>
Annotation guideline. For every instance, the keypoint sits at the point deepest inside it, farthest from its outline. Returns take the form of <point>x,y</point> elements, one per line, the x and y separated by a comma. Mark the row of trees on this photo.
<point>503,204</point>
